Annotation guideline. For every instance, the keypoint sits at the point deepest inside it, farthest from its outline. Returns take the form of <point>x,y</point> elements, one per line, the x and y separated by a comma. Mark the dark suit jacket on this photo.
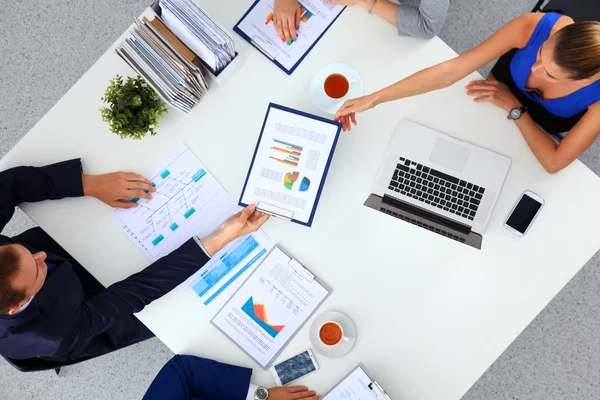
<point>73,316</point>
<point>195,378</point>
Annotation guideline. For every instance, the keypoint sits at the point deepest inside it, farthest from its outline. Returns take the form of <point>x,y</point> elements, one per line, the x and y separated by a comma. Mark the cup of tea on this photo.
<point>331,333</point>
<point>336,86</point>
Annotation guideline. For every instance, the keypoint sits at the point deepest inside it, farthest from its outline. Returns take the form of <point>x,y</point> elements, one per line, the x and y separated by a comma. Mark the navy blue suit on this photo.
<point>73,315</point>
<point>195,378</point>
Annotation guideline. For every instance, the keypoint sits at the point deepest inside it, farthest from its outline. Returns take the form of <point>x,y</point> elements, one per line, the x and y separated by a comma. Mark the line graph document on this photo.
<point>188,200</point>
<point>290,163</point>
<point>316,17</point>
<point>271,306</point>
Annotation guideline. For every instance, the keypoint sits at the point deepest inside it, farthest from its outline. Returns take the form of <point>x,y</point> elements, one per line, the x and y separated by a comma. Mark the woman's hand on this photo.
<point>286,18</point>
<point>348,110</point>
<point>493,91</point>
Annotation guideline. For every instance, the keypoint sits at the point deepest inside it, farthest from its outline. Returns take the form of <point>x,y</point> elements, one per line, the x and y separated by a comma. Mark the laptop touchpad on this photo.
<point>450,155</point>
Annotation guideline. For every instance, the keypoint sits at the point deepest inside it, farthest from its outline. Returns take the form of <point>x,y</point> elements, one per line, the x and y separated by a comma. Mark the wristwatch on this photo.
<point>261,394</point>
<point>516,113</point>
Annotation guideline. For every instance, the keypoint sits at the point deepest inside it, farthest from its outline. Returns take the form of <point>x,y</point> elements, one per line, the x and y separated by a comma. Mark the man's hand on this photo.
<point>246,221</point>
<point>286,18</point>
<point>292,393</point>
<point>116,188</point>
<point>493,91</point>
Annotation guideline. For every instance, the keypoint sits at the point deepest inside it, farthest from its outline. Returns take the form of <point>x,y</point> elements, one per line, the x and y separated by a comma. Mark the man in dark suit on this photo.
<point>50,306</point>
<point>195,378</point>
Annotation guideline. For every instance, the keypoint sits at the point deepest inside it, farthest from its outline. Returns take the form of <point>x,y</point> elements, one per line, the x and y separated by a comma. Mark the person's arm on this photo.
<point>65,179</point>
<point>515,34</point>
<point>382,8</point>
<point>419,18</point>
<point>189,377</point>
<point>425,19</point>
<point>100,312</point>
<point>555,157</point>
<point>31,184</point>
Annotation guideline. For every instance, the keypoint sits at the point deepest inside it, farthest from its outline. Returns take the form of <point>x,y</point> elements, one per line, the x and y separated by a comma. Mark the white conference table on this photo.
<point>431,314</point>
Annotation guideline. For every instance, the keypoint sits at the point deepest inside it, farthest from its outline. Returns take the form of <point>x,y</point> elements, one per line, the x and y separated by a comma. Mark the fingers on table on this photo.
<point>303,395</point>
<point>297,389</point>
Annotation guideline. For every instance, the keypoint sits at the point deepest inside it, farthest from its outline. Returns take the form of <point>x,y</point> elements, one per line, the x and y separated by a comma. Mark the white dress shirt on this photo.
<point>251,391</point>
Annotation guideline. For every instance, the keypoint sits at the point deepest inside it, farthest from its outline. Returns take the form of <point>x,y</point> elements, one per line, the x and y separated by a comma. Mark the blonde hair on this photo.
<point>577,49</point>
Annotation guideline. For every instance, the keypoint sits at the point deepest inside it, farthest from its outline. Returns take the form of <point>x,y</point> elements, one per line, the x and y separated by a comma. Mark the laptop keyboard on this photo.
<point>436,188</point>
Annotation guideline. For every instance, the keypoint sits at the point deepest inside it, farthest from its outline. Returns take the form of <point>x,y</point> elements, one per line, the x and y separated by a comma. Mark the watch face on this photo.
<point>515,113</point>
<point>261,394</point>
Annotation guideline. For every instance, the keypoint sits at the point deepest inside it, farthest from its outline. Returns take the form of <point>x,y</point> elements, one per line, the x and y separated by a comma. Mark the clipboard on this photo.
<point>248,39</point>
<point>277,211</point>
<point>373,385</point>
<point>303,273</point>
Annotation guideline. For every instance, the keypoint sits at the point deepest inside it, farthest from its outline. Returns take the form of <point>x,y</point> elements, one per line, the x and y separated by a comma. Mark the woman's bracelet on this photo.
<point>372,5</point>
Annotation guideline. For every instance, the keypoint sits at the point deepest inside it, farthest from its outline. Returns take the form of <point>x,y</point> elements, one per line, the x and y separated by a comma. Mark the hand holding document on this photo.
<point>257,27</point>
<point>290,164</point>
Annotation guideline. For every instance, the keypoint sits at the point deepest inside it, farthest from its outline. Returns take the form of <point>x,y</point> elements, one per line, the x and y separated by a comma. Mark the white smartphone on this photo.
<point>294,368</point>
<point>524,213</point>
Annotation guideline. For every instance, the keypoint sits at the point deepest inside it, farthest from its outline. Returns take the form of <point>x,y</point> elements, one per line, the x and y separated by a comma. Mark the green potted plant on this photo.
<point>133,107</point>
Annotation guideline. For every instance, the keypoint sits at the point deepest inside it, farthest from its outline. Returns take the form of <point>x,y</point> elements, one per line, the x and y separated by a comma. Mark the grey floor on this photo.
<point>45,46</point>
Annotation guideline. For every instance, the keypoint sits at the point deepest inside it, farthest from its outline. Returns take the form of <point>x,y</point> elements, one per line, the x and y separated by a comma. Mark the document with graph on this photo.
<point>257,26</point>
<point>222,276</point>
<point>188,201</point>
<point>290,164</point>
<point>271,306</point>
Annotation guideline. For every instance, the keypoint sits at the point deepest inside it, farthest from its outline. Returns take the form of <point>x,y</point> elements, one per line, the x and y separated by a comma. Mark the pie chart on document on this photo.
<point>293,182</point>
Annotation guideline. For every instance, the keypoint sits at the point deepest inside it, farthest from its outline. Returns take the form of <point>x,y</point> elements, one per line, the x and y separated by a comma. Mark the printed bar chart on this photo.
<point>286,153</point>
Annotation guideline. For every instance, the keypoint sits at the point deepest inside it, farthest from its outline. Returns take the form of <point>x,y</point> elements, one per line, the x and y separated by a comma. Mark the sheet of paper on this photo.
<point>290,163</point>
<point>188,201</point>
<point>210,41</point>
<point>317,15</point>
<point>222,276</point>
<point>355,387</point>
<point>270,307</point>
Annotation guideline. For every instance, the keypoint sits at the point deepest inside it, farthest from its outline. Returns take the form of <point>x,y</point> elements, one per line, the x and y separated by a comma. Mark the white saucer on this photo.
<point>322,100</point>
<point>349,331</point>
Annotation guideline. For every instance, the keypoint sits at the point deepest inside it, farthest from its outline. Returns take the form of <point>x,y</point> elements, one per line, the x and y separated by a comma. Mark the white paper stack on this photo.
<point>165,64</point>
<point>210,41</point>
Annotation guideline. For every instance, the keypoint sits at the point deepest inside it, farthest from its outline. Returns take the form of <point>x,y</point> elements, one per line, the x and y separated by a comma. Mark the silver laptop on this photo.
<point>439,183</point>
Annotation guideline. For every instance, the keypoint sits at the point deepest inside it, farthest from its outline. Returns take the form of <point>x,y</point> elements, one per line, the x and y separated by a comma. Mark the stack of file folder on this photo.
<point>210,41</point>
<point>173,51</point>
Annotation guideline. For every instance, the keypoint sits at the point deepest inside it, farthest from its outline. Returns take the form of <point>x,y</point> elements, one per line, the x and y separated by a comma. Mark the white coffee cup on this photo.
<point>350,82</point>
<point>341,330</point>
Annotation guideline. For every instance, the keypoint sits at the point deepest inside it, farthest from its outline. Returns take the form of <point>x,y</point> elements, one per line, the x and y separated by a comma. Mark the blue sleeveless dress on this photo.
<point>556,115</point>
